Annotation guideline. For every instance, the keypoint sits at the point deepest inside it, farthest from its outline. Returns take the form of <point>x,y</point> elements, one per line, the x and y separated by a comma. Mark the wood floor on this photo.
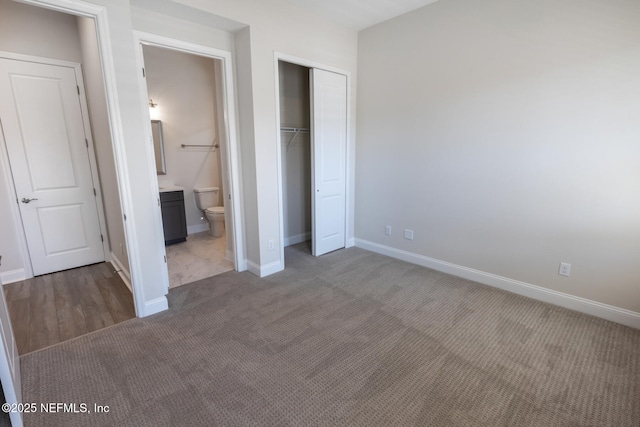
<point>56,307</point>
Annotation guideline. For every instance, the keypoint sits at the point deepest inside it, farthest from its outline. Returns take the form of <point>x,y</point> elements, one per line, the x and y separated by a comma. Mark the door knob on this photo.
<point>25,200</point>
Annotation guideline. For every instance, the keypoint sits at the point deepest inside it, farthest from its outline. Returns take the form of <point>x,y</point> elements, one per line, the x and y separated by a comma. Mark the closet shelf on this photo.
<point>295,132</point>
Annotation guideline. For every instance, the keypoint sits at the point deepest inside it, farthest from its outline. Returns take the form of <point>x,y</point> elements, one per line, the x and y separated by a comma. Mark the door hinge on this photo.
<point>102,237</point>
<point>143,74</point>
<point>78,88</point>
<point>86,142</point>
<point>158,201</point>
<point>165,259</point>
<point>125,216</point>
<point>94,192</point>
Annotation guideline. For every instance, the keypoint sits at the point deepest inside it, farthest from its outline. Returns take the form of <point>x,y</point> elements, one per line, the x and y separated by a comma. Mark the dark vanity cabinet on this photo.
<point>174,220</point>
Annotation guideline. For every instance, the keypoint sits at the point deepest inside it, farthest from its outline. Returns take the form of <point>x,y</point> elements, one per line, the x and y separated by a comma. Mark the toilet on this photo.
<point>207,202</point>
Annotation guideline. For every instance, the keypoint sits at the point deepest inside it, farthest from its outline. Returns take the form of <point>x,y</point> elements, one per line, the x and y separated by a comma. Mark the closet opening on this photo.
<point>312,115</point>
<point>295,145</point>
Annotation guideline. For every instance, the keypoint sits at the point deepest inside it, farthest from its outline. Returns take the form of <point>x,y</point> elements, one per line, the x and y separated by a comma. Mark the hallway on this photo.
<point>57,307</point>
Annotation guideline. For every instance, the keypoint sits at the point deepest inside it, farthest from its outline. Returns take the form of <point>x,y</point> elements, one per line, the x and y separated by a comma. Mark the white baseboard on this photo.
<point>154,306</point>
<point>253,268</point>
<point>583,305</point>
<point>12,276</point>
<point>197,228</point>
<point>124,274</point>
<point>242,266</point>
<point>351,242</point>
<point>299,238</point>
<point>265,270</point>
<point>271,268</point>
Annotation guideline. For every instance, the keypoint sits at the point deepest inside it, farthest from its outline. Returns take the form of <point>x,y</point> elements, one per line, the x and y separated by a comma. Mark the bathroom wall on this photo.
<point>296,160</point>
<point>188,116</point>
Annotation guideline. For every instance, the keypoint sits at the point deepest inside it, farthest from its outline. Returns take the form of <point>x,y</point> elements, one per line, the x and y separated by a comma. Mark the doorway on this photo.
<point>189,92</point>
<point>56,155</point>
<point>313,120</point>
<point>187,141</point>
<point>61,150</point>
<point>295,145</point>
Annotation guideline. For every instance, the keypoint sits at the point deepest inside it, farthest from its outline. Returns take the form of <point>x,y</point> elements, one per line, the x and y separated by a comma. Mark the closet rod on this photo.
<point>291,129</point>
<point>198,145</point>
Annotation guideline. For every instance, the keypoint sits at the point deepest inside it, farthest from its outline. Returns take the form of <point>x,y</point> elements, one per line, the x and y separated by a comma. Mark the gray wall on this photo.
<point>96,100</point>
<point>39,32</point>
<point>505,134</point>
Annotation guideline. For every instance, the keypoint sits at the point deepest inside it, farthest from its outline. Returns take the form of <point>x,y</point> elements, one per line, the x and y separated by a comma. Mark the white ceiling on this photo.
<point>359,14</point>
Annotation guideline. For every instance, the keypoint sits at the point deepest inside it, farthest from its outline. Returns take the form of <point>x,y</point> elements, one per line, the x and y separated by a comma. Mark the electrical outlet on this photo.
<point>387,230</point>
<point>270,245</point>
<point>565,269</point>
<point>408,234</point>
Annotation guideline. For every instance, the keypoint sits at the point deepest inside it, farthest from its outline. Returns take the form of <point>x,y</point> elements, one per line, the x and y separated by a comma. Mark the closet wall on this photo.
<point>296,155</point>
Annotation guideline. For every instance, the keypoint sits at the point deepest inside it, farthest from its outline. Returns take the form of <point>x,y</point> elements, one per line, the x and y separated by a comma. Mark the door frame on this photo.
<point>99,14</point>
<point>93,164</point>
<point>350,154</point>
<point>228,144</point>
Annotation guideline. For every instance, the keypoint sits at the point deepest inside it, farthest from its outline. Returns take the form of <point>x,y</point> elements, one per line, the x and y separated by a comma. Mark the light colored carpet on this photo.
<point>350,338</point>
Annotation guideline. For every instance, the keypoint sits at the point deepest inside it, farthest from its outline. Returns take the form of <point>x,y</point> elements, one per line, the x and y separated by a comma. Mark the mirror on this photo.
<point>158,146</point>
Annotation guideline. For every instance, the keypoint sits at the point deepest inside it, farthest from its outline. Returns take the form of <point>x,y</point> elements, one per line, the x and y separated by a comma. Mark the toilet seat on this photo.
<point>216,210</point>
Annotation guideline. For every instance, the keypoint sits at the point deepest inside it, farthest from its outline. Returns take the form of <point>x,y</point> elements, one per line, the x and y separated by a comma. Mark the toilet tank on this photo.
<point>206,197</point>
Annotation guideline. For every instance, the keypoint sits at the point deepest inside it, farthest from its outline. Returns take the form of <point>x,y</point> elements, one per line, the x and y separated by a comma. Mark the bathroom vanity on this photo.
<point>174,220</point>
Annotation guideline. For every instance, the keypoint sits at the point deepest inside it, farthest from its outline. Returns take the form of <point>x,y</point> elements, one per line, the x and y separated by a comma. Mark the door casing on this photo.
<point>228,144</point>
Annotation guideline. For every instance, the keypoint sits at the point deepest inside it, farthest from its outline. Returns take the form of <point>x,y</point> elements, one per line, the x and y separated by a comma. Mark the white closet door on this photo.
<point>48,151</point>
<point>329,152</point>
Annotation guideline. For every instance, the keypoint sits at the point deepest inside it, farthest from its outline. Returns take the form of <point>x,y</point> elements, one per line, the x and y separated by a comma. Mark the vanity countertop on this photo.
<point>167,188</point>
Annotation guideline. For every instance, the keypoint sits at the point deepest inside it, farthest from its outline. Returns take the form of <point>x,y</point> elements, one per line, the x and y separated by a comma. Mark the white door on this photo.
<point>44,132</point>
<point>9,362</point>
<point>328,162</point>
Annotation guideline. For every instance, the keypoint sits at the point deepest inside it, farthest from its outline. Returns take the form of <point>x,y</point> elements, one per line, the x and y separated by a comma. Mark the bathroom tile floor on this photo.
<point>201,256</point>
